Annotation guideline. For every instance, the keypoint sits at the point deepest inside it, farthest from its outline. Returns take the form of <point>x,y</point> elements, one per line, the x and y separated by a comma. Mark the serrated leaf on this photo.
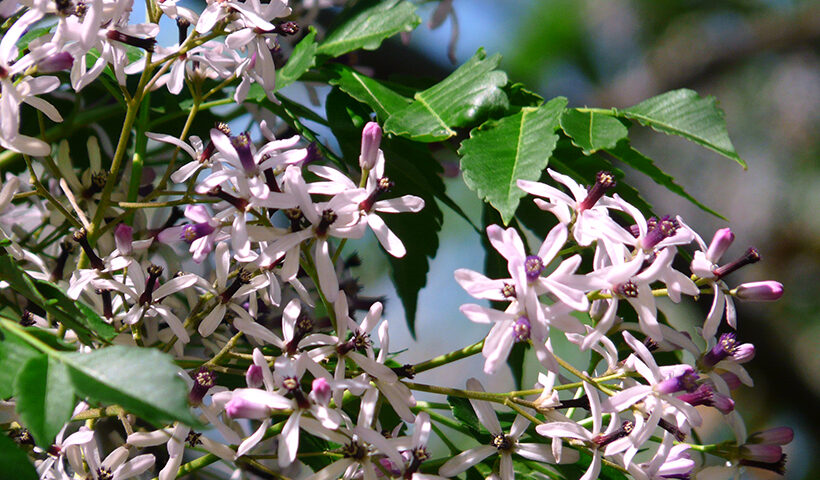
<point>301,59</point>
<point>373,93</point>
<point>684,113</point>
<point>45,398</point>
<point>15,463</point>
<point>637,160</point>
<point>414,172</point>
<point>592,131</point>
<point>368,24</point>
<point>499,153</point>
<point>142,381</point>
<point>466,96</point>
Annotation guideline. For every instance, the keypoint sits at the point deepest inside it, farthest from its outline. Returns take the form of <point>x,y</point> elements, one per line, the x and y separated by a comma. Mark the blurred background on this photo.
<point>761,60</point>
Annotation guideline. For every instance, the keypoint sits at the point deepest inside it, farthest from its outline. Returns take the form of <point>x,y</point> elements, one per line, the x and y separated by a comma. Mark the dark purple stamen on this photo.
<point>65,250</point>
<point>328,217</point>
<point>154,271</point>
<point>239,203</point>
<point>146,44</point>
<point>659,230</point>
<point>502,442</point>
<point>242,144</point>
<point>686,381</point>
<point>182,27</point>
<point>243,277</point>
<point>108,309</point>
<point>508,290</point>
<point>270,181</point>
<point>360,341</point>
<point>287,28</point>
<point>627,289</point>
<point>673,429</point>
<point>603,182</point>
<point>81,237</point>
<point>706,395</point>
<point>778,467</point>
<point>726,346</point>
<point>26,318</point>
<point>751,256</point>
<point>204,380</point>
<point>382,186</point>
<point>303,326</point>
<point>604,440</point>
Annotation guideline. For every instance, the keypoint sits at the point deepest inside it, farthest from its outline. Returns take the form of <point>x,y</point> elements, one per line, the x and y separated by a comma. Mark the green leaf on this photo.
<point>45,398</point>
<point>142,381</point>
<point>682,112</point>
<point>592,131</point>
<point>464,413</point>
<point>464,98</point>
<point>414,172</point>
<point>368,24</point>
<point>499,153</point>
<point>15,462</point>
<point>14,353</point>
<point>637,160</point>
<point>300,61</point>
<point>53,300</point>
<point>376,95</point>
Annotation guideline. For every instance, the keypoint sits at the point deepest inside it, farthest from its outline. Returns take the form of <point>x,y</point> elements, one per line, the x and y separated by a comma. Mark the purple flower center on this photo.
<point>659,230</point>
<point>242,144</point>
<point>521,329</point>
<point>193,231</point>
<point>533,266</point>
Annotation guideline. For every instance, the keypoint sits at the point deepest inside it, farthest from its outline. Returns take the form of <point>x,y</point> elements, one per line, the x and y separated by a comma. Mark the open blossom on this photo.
<point>503,444</point>
<point>586,211</point>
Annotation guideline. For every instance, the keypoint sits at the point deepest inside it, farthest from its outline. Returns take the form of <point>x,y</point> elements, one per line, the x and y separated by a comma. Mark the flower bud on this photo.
<point>253,377</point>
<point>124,236</point>
<point>760,291</point>
<point>761,453</point>
<point>371,139</point>
<point>773,436</point>
<point>55,63</point>
<point>321,391</point>
<point>720,243</point>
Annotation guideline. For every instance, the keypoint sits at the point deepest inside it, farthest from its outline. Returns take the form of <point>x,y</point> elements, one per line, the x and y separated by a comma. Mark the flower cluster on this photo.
<point>240,278</point>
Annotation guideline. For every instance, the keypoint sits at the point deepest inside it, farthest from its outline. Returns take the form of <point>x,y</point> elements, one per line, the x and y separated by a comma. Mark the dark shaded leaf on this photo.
<point>15,463</point>
<point>373,93</point>
<point>637,160</point>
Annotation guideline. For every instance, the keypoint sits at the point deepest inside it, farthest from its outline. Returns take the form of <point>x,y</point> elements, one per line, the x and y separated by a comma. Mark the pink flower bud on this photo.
<point>124,236</point>
<point>761,453</point>
<point>760,291</point>
<point>773,436</point>
<point>371,139</point>
<point>720,243</point>
<point>321,391</point>
<point>253,376</point>
<point>241,406</point>
<point>55,63</point>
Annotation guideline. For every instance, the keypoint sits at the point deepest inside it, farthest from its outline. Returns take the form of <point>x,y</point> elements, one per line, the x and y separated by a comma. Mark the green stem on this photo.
<point>449,357</point>
<point>138,160</point>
